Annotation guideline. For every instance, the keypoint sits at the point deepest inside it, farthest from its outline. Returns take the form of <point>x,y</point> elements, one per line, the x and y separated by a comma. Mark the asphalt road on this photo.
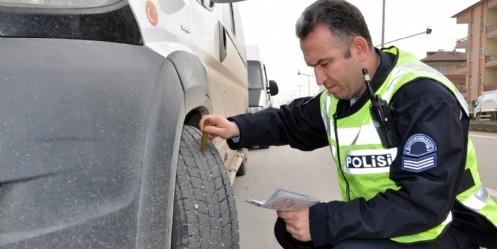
<point>312,173</point>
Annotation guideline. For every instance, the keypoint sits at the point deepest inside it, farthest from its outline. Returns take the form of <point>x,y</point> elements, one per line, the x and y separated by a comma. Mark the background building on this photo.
<point>452,64</point>
<point>480,45</point>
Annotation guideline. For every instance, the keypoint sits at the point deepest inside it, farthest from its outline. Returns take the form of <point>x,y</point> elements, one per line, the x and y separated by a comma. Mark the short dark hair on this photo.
<point>342,18</point>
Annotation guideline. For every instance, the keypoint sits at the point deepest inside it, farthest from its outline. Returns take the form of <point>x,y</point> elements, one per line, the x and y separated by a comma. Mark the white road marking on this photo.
<point>481,136</point>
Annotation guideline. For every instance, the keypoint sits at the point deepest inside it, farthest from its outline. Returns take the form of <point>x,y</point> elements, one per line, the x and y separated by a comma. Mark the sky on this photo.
<point>270,24</point>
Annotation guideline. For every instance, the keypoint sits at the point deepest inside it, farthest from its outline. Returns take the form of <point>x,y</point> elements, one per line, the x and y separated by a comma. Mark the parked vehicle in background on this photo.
<point>485,106</point>
<point>260,88</point>
<point>100,103</point>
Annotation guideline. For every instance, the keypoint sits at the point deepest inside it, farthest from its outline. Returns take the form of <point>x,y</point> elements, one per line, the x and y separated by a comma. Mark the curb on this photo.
<point>483,126</point>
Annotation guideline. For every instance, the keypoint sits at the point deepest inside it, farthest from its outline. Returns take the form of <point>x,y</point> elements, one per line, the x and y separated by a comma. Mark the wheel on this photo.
<point>242,170</point>
<point>205,214</point>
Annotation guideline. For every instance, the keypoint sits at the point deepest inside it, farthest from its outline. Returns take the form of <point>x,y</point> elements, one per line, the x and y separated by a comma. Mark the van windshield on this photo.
<point>58,3</point>
<point>255,75</point>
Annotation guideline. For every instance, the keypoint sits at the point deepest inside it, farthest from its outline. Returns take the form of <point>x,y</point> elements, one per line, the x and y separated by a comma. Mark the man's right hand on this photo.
<point>219,126</point>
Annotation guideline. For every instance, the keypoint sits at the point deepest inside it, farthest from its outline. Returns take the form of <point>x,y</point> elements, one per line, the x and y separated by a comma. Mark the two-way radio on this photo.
<point>382,116</point>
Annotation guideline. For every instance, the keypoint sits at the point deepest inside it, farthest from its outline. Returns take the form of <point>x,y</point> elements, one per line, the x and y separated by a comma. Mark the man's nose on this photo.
<point>320,78</point>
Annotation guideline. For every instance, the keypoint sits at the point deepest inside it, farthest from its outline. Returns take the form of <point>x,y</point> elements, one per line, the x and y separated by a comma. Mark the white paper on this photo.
<point>285,200</point>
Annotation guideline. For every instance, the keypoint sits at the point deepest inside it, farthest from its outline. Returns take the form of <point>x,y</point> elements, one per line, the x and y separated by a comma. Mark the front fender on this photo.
<point>88,135</point>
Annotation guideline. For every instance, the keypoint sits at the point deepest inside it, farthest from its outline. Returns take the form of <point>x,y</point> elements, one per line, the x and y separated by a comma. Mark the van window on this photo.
<point>255,75</point>
<point>229,18</point>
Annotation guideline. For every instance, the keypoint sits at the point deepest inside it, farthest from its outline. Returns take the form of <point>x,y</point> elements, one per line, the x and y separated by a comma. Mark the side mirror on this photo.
<point>475,102</point>
<point>273,88</point>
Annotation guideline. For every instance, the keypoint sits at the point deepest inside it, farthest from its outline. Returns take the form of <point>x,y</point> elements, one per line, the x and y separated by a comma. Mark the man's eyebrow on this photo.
<point>319,62</point>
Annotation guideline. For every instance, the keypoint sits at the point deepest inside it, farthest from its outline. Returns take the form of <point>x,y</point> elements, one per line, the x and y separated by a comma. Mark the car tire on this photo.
<point>205,215</point>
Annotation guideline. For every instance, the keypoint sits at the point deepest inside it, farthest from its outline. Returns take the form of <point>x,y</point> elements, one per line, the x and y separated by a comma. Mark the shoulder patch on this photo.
<point>419,153</point>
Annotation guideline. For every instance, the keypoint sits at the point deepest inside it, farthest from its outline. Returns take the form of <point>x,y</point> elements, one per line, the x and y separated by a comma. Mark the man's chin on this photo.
<point>336,95</point>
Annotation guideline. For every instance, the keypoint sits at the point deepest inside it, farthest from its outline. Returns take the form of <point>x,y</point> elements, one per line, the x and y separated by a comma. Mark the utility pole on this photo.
<point>383,26</point>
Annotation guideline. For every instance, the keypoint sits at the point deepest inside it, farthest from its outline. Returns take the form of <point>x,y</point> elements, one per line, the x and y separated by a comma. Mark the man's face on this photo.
<point>341,76</point>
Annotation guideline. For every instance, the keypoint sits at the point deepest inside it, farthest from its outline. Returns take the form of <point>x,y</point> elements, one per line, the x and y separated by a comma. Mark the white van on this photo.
<point>485,106</point>
<point>260,88</point>
<point>100,104</point>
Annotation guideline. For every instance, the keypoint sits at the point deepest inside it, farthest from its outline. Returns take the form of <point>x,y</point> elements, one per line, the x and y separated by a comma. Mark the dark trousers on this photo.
<point>453,238</point>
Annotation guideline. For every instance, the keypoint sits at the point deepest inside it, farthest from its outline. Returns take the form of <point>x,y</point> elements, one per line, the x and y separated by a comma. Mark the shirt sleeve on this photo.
<point>426,196</point>
<point>298,124</point>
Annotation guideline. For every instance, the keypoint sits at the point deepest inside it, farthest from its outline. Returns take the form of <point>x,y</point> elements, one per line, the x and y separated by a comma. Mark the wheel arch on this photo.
<point>194,80</point>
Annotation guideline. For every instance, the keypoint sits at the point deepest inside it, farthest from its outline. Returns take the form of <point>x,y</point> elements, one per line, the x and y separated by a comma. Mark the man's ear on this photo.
<point>360,48</point>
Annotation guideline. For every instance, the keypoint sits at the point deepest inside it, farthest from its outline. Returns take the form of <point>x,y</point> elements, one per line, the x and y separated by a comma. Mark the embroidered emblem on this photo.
<point>419,153</point>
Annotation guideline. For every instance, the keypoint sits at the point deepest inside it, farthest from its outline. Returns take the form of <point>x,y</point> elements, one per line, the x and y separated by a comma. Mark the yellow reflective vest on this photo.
<point>358,136</point>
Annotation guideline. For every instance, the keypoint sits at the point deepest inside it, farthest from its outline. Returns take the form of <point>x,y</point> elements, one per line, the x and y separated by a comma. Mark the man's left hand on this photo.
<point>297,223</point>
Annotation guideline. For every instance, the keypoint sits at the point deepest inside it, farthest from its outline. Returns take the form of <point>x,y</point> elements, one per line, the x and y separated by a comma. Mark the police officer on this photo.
<point>407,169</point>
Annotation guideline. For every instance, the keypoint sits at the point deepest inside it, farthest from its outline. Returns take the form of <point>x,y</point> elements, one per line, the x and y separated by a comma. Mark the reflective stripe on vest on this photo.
<point>476,197</point>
